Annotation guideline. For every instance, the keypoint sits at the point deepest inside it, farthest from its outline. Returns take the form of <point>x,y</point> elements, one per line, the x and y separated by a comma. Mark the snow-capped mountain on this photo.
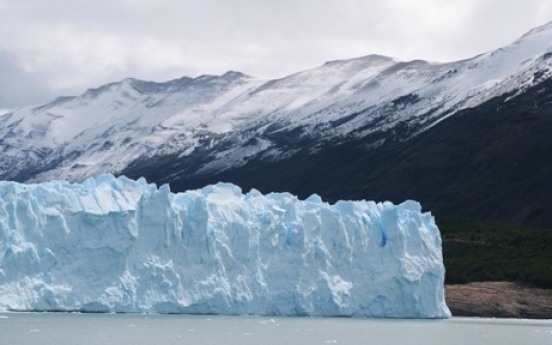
<point>215,123</point>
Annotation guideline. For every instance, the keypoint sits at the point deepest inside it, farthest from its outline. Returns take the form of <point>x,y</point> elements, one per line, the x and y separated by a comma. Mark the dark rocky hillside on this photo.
<point>492,162</point>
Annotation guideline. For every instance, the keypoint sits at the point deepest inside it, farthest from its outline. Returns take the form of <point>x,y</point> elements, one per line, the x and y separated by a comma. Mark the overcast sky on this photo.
<point>50,48</point>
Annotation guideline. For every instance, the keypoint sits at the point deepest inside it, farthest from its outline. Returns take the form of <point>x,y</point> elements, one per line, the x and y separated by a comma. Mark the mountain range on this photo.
<point>470,138</point>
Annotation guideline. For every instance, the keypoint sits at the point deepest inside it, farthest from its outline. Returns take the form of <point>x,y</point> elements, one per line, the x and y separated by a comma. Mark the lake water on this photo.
<point>137,329</point>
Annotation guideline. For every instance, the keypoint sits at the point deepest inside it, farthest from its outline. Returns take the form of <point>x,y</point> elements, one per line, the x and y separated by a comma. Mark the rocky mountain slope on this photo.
<point>490,162</point>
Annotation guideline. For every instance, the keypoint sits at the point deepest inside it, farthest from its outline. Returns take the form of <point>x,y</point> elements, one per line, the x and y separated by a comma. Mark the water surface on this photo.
<point>137,329</point>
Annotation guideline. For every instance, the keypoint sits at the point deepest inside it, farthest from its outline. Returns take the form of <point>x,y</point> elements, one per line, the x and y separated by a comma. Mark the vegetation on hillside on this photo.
<point>476,251</point>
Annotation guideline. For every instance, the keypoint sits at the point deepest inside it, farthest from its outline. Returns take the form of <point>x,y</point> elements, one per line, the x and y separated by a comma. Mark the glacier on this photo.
<point>118,245</point>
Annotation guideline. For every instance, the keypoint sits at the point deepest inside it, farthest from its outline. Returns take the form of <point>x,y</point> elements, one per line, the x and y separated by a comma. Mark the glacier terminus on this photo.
<point>119,245</point>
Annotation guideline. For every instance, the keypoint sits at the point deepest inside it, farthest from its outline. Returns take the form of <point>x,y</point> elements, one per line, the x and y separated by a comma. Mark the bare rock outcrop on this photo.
<point>499,299</point>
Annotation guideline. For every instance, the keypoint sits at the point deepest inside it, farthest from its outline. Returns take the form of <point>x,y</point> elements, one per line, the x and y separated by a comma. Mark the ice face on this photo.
<point>114,244</point>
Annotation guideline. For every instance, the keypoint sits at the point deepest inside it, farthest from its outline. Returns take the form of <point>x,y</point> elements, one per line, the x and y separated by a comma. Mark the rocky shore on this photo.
<point>499,299</point>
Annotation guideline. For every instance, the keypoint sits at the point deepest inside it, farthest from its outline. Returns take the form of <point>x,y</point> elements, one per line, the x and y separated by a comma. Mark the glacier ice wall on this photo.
<point>114,244</point>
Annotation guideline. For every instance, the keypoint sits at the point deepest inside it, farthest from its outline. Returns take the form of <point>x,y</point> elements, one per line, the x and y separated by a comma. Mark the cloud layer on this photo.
<point>52,48</point>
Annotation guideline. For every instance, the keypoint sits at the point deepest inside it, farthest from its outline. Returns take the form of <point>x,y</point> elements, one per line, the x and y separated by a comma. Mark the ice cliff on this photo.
<point>114,244</point>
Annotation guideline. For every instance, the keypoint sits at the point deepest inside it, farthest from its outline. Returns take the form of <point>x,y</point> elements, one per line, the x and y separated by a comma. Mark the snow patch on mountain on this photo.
<point>111,127</point>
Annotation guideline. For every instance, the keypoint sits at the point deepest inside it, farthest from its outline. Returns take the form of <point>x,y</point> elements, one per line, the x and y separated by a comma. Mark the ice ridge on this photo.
<point>118,245</point>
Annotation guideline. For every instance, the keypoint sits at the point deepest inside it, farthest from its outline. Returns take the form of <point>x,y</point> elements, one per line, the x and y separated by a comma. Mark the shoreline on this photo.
<point>499,300</point>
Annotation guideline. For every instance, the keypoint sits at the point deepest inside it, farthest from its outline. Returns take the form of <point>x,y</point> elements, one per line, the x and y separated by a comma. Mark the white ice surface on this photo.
<point>114,244</point>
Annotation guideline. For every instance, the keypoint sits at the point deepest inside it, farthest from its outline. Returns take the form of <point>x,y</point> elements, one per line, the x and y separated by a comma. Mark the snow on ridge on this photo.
<point>108,128</point>
<point>114,244</point>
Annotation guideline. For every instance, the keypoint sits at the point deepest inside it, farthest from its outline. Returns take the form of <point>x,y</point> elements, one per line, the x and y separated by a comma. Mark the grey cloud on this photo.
<point>18,87</point>
<point>63,47</point>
